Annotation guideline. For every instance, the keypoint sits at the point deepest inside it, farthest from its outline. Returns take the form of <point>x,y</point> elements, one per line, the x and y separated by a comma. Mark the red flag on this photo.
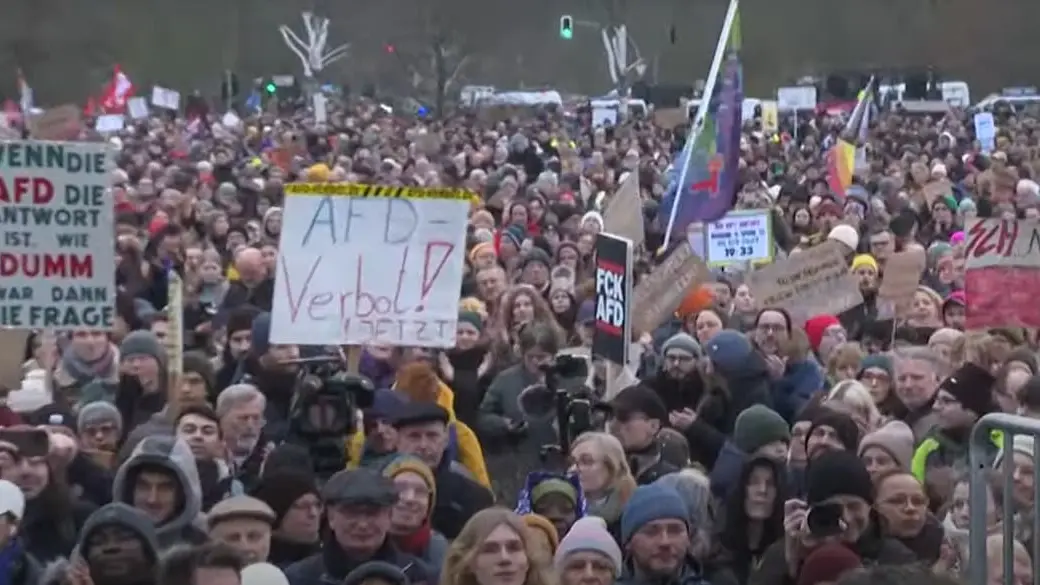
<point>91,108</point>
<point>117,92</point>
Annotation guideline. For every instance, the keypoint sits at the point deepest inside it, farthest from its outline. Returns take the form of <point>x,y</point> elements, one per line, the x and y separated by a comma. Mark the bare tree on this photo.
<point>436,57</point>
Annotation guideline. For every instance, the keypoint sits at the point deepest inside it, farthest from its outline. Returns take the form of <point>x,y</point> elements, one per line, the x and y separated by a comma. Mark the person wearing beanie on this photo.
<point>482,255</point>
<point>294,500</point>
<point>17,567</point>
<point>655,534</point>
<point>465,366</point>
<point>410,528</point>
<point>962,399</point>
<point>129,534</point>
<point>143,358</point>
<point>863,264</point>
<point>877,373</point>
<point>588,550</point>
<point>534,270</point>
<point>831,431</point>
<point>239,334</point>
<point>263,574</point>
<point>556,498</point>
<point>760,432</point>
<point>376,573</point>
<point>88,359</point>
<point>244,523</point>
<point>198,379</point>
<point>99,427</point>
<point>825,332</point>
<point>847,235</point>
<point>888,449</point>
<point>826,564</point>
<point>638,415</point>
<point>380,437</point>
<point>678,382</point>
<point>545,535</point>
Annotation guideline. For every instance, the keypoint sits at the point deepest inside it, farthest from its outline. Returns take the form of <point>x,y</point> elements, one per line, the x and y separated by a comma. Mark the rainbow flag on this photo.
<point>841,158</point>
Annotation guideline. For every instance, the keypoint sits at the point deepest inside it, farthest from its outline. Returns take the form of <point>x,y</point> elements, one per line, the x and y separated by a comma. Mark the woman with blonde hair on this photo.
<point>605,477</point>
<point>926,310</point>
<point>843,363</point>
<point>495,548</point>
<point>852,398</point>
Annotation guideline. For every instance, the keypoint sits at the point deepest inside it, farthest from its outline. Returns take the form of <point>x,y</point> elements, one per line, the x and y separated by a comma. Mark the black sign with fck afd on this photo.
<point>613,297</point>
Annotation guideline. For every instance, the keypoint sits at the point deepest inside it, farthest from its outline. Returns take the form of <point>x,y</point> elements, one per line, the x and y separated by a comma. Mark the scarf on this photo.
<point>608,507</point>
<point>9,559</point>
<point>416,542</point>
<point>83,371</point>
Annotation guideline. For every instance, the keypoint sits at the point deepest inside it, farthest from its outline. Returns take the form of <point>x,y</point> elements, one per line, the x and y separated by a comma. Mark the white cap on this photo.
<point>12,500</point>
<point>263,574</point>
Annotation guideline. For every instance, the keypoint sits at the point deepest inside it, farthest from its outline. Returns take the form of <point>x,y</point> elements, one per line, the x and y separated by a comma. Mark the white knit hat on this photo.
<point>12,500</point>
<point>263,574</point>
<point>1022,444</point>
<point>589,534</point>
<point>846,234</point>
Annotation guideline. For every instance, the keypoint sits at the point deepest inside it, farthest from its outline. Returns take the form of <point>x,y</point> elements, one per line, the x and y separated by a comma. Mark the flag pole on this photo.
<point>702,112</point>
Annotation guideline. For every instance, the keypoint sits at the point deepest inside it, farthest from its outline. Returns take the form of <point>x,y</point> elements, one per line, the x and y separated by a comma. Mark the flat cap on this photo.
<point>239,507</point>
<point>359,487</point>
<point>417,413</point>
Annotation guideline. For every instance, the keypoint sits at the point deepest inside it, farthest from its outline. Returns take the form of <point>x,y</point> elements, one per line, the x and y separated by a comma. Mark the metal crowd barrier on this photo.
<point>1008,425</point>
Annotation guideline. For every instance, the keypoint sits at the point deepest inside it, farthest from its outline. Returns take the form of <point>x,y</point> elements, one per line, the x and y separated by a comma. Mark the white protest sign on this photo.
<point>138,107</point>
<point>321,114</point>
<point>58,258</point>
<point>365,264</point>
<point>109,123</point>
<point>166,98</point>
<point>739,237</point>
<point>986,131</point>
<point>796,98</point>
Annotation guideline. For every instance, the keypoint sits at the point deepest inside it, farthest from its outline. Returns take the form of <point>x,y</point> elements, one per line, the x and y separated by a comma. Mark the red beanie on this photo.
<point>815,328</point>
<point>827,563</point>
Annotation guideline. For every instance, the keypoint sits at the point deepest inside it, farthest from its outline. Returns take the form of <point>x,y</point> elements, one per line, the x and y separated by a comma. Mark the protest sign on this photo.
<point>812,282</point>
<point>661,291</point>
<point>1002,273</point>
<point>624,213</point>
<point>137,107</point>
<point>60,123</point>
<point>12,350</point>
<point>613,327</point>
<point>936,189</point>
<point>57,261</point>
<point>985,131</point>
<point>740,237</point>
<point>109,123</point>
<point>770,117</point>
<point>669,118</point>
<point>166,98</point>
<point>902,276</point>
<point>368,264</point>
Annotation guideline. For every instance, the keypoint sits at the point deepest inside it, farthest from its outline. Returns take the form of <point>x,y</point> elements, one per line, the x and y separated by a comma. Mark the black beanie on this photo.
<point>843,425</point>
<point>241,319</point>
<point>838,473</point>
<point>281,489</point>
<point>972,386</point>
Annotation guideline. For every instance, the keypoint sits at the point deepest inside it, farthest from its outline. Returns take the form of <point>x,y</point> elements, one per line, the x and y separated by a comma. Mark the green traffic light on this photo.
<point>566,27</point>
<point>270,87</point>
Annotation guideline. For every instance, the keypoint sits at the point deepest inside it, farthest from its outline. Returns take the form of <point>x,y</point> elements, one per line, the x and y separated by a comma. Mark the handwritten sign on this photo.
<point>57,257</point>
<point>812,282</point>
<point>902,276</point>
<point>739,237</point>
<point>1002,273</point>
<point>661,291</point>
<point>368,264</point>
<point>669,118</point>
<point>60,123</point>
<point>624,213</point>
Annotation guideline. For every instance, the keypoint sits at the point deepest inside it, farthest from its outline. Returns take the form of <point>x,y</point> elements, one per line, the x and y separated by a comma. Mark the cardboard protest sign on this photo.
<point>902,276</point>
<point>1002,273</point>
<point>669,117</point>
<point>812,282</point>
<point>1003,186</point>
<point>613,325</point>
<point>661,291</point>
<point>60,123</point>
<point>367,264</point>
<point>935,190</point>
<point>624,213</point>
<point>12,349</point>
<point>58,256</point>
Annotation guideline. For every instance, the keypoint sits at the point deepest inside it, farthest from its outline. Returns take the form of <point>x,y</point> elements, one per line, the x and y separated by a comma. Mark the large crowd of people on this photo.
<point>752,448</point>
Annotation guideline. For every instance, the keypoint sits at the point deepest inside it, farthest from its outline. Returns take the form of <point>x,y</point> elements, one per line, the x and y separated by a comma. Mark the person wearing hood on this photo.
<point>359,511</point>
<point>556,498</point>
<point>117,546</point>
<point>17,567</point>
<point>410,528</point>
<point>752,517</point>
<point>160,479</point>
<point>293,496</point>
<point>423,431</point>
<point>740,381</point>
<point>143,357</point>
<point>656,535</point>
<point>759,432</point>
<point>53,515</point>
<point>238,339</point>
<point>837,480</point>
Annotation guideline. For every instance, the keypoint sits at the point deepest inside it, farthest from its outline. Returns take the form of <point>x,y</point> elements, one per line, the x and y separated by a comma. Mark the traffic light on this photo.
<point>566,27</point>
<point>270,87</point>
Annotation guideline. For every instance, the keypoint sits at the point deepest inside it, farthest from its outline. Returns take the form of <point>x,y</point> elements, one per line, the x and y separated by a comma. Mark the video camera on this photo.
<point>323,411</point>
<point>567,397</point>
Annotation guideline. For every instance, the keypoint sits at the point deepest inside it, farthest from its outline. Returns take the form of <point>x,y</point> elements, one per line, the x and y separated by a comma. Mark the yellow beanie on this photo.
<point>864,260</point>
<point>318,173</point>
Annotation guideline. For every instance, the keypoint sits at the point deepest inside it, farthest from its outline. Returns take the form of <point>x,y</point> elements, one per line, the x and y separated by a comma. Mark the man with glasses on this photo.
<point>795,378</point>
<point>638,415</point>
<point>100,426</point>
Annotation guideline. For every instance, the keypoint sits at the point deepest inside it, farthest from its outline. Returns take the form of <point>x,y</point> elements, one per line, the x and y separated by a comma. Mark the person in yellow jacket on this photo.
<point>419,382</point>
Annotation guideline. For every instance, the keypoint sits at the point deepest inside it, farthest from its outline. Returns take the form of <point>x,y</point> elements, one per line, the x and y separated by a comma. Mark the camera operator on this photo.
<point>272,369</point>
<point>323,414</point>
<point>501,423</point>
